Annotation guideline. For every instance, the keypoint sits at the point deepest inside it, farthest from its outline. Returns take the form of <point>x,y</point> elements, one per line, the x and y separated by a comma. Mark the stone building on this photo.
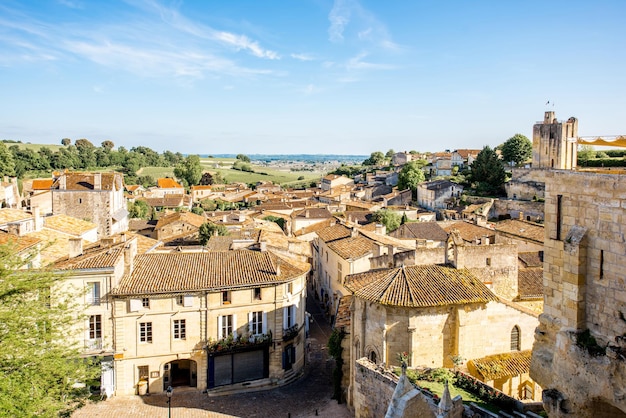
<point>94,197</point>
<point>580,350</point>
<point>555,143</point>
<point>209,320</point>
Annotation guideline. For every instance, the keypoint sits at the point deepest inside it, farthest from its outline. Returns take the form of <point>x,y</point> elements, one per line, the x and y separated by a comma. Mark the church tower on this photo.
<point>554,143</point>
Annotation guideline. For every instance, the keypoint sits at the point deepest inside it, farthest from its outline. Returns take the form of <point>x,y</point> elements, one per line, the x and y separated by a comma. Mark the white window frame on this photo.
<point>222,326</point>
<point>93,295</point>
<point>289,316</point>
<point>179,328</point>
<point>257,322</point>
<point>145,332</point>
<point>95,327</point>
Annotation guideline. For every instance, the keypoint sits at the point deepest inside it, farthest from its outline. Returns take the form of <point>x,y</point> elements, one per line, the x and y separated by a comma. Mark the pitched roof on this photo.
<point>465,153</point>
<point>312,213</point>
<point>8,215</point>
<point>342,320</point>
<point>170,200</point>
<point>187,217</point>
<point>42,184</point>
<point>531,259</point>
<point>97,256</point>
<point>530,282</point>
<point>523,229</point>
<point>168,183</point>
<point>69,225</point>
<point>419,286</point>
<point>469,231</point>
<point>420,230</point>
<point>334,232</point>
<point>438,184</point>
<point>86,180</point>
<point>352,248</point>
<point>21,243</point>
<point>177,272</point>
<point>497,366</point>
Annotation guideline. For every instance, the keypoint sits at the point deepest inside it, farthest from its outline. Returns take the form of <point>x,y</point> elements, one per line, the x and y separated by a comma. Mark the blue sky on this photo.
<point>307,76</point>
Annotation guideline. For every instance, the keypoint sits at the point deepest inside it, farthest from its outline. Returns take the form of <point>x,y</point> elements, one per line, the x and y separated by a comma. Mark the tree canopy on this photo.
<point>190,170</point>
<point>243,157</point>
<point>411,176</point>
<point>41,374</point>
<point>376,158</point>
<point>390,219</point>
<point>517,149</point>
<point>209,229</point>
<point>487,173</point>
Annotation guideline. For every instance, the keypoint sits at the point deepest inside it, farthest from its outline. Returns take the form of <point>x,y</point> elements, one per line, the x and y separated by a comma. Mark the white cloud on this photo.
<point>71,4</point>
<point>339,17</point>
<point>303,57</point>
<point>357,63</point>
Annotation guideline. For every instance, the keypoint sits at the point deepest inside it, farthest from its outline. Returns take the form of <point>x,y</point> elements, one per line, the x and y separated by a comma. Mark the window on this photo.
<point>95,327</point>
<point>527,391</point>
<point>602,264</point>
<point>145,303</point>
<point>372,356</point>
<point>289,288</point>
<point>289,316</point>
<point>559,207</point>
<point>257,293</point>
<point>225,297</point>
<point>145,332</point>
<point>93,293</point>
<point>339,272</point>
<point>256,323</point>
<point>225,326</point>
<point>180,329</point>
<point>184,300</point>
<point>179,300</point>
<point>515,339</point>
<point>289,357</point>
<point>488,261</point>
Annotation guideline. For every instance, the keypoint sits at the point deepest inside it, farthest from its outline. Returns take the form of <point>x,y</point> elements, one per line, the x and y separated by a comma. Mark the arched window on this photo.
<point>527,391</point>
<point>373,356</point>
<point>515,339</point>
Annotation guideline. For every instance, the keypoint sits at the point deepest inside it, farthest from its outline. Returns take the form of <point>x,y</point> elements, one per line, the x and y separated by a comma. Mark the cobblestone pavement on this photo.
<point>307,397</point>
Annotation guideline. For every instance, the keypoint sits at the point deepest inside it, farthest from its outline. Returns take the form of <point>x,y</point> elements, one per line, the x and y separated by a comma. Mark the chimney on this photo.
<point>485,240</point>
<point>130,251</point>
<point>381,229</point>
<point>263,246</point>
<point>521,215</point>
<point>75,246</point>
<point>225,218</point>
<point>106,242</point>
<point>38,218</point>
<point>63,182</point>
<point>97,181</point>
<point>306,213</point>
<point>354,233</point>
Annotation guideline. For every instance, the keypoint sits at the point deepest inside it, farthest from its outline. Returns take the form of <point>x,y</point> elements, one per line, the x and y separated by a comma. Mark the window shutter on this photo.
<point>293,315</point>
<point>264,326</point>
<point>234,326</point>
<point>135,305</point>
<point>219,327</point>
<point>285,314</point>
<point>250,317</point>
<point>188,300</point>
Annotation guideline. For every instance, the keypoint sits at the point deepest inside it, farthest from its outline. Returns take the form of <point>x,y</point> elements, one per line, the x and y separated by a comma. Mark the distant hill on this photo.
<point>312,158</point>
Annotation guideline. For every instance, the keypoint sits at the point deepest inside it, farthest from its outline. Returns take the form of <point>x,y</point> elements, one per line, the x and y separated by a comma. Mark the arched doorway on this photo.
<point>180,373</point>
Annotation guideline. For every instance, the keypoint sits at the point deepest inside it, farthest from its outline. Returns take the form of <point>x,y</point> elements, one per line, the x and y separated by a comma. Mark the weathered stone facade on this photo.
<point>554,143</point>
<point>584,292</point>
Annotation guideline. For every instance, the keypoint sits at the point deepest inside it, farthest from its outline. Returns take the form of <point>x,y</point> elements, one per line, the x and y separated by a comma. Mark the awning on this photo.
<point>608,141</point>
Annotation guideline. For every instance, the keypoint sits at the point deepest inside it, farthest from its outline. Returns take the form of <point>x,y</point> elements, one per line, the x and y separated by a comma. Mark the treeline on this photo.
<point>17,160</point>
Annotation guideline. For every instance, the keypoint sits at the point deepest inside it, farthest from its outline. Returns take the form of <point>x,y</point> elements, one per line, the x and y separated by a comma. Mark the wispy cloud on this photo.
<point>367,27</point>
<point>303,57</point>
<point>358,63</point>
<point>71,4</point>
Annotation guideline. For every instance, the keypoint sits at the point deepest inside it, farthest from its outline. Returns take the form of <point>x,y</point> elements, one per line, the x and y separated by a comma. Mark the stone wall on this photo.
<point>518,209</point>
<point>584,291</point>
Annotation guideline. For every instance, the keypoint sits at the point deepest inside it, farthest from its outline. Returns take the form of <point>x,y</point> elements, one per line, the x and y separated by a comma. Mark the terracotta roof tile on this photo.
<point>42,184</point>
<point>313,213</point>
<point>530,259</point>
<point>334,232</point>
<point>530,282</point>
<point>8,215</point>
<point>22,243</point>
<point>419,286</point>
<point>342,319</point>
<point>469,231</point>
<point>352,248</point>
<point>187,217</point>
<point>176,272</point>
<point>420,230</point>
<point>497,366</point>
<point>168,183</point>
<point>69,225</point>
<point>523,229</point>
<point>85,181</point>
<point>97,256</point>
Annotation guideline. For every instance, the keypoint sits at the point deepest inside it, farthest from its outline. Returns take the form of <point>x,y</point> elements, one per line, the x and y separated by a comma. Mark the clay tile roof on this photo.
<point>497,366</point>
<point>168,183</point>
<point>342,319</point>
<point>530,282</point>
<point>8,215</point>
<point>352,248</point>
<point>219,243</point>
<point>22,243</point>
<point>316,227</point>
<point>523,229</point>
<point>420,230</point>
<point>530,259</point>
<point>188,217</point>
<point>97,256</point>
<point>42,184</point>
<point>68,224</point>
<point>419,286</point>
<point>85,181</point>
<point>468,231</point>
<point>170,200</point>
<point>176,272</point>
<point>334,232</point>
<point>313,213</point>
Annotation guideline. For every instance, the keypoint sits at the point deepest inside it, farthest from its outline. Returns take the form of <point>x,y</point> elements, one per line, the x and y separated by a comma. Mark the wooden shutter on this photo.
<point>188,300</point>
<point>135,305</point>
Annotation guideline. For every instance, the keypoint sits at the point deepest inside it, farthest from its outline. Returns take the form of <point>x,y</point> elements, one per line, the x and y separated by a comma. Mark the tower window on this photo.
<point>515,339</point>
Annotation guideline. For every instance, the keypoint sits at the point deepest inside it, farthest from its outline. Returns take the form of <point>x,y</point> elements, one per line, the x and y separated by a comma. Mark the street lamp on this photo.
<point>169,392</point>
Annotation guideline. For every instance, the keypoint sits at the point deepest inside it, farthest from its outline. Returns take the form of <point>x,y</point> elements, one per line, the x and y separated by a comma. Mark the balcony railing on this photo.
<point>93,344</point>
<point>291,332</point>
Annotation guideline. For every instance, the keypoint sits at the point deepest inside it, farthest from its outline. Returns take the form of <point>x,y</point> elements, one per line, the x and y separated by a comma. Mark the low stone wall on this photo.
<point>373,389</point>
<point>513,208</point>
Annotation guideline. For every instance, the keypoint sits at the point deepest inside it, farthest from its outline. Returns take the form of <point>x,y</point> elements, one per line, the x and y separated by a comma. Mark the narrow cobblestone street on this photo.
<point>307,397</point>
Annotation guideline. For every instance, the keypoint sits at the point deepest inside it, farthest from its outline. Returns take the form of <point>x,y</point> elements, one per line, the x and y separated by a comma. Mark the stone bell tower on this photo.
<point>554,143</point>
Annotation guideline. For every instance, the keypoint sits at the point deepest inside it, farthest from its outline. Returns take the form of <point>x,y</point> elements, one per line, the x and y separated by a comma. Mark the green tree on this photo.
<point>517,149</point>
<point>376,158</point>
<point>209,229</point>
<point>197,210</point>
<point>487,173</point>
<point>7,163</point>
<point>411,176</point>
<point>585,153</point>
<point>389,154</point>
<point>40,371</point>
<point>390,219</point>
<point>190,170</point>
<point>243,157</point>
<point>108,145</point>
<point>277,220</point>
<point>66,141</point>
<point>139,209</point>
